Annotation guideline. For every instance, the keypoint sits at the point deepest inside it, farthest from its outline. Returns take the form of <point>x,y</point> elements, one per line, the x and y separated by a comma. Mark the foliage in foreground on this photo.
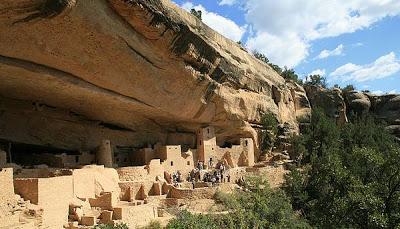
<point>350,176</point>
<point>261,207</point>
<point>107,226</point>
<point>154,224</point>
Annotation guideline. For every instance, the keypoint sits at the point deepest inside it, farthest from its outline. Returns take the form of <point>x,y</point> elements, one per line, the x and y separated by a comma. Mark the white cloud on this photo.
<point>358,44</point>
<point>302,21</point>
<point>345,69</point>
<point>382,67</point>
<point>327,53</point>
<point>320,72</point>
<point>227,2</point>
<point>223,25</point>
<point>378,92</point>
<point>287,51</point>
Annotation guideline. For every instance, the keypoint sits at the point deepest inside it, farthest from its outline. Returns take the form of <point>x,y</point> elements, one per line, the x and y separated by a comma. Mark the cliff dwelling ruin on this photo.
<point>121,110</point>
<point>113,184</point>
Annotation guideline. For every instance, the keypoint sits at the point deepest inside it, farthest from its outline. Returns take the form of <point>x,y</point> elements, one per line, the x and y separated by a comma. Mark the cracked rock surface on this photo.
<point>130,70</point>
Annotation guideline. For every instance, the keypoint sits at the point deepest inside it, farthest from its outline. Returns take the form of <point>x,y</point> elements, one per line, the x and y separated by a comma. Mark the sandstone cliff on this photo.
<point>340,105</point>
<point>133,71</point>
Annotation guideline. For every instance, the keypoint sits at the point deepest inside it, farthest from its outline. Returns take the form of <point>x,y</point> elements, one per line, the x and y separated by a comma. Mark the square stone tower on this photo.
<point>206,143</point>
<point>247,145</point>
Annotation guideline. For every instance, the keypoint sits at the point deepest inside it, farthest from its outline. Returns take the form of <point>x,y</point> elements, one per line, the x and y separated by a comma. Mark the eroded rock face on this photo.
<point>358,102</point>
<point>338,104</point>
<point>145,68</point>
<point>301,102</point>
<point>387,108</point>
<point>330,100</point>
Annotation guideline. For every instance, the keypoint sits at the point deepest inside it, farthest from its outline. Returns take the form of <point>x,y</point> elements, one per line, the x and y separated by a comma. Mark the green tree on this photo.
<point>269,131</point>
<point>276,68</point>
<point>352,179</point>
<point>264,59</point>
<point>299,148</point>
<point>261,57</point>
<point>348,88</point>
<point>108,226</point>
<point>320,137</point>
<point>316,80</point>
<point>259,207</point>
<point>197,13</point>
<point>154,224</point>
<point>290,74</point>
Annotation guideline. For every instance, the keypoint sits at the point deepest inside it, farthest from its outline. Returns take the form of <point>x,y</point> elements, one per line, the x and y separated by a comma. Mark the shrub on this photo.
<point>261,207</point>
<point>353,178</point>
<point>261,57</point>
<point>154,224</point>
<point>270,130</point>
<point>107,226</point>
<point>316,80</point>
<point>264,59</point>
<point>348,88</point>
<point>197,13</point>
<point>290,74</point>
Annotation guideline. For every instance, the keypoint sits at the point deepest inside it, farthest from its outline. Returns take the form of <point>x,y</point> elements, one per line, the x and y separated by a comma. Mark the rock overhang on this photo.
<point>145,66</point>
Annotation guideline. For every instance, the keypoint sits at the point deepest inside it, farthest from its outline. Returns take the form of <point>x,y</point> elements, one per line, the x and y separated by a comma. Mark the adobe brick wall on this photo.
<point>7,186</point>
<point>55,194</point>
<point>27,188</point>
<point>137,173</point>
<point>198,193</point>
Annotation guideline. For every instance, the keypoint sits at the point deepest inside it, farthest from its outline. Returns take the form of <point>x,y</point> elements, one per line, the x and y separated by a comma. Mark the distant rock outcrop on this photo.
<point>341,105</point>
<point>358,102</point>
<point>330,100</point>
<point>387,108</point>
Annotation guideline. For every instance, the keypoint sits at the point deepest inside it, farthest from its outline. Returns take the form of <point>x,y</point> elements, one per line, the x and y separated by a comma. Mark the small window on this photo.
<point>188,163</point>
<point>76,159</point>
<point>246,143</point>
<point>172,163</point>
<point>200,142</point>
<point>208,131</point>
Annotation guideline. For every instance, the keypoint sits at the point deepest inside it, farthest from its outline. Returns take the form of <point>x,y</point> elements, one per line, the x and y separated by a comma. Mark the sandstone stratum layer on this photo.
<point>132,71</point>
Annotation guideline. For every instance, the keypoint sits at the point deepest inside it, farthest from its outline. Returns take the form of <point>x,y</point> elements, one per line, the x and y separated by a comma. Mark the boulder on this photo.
<point>330,100</point>
<point>387,108</point>
<point>358,102</point>
<point>301,103</point>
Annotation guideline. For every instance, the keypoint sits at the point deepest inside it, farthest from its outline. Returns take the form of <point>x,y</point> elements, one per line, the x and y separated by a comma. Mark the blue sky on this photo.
<point>348,41</point>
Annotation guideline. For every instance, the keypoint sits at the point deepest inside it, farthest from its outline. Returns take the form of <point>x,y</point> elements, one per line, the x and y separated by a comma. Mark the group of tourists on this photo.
<point>219,174</point>
<point>177,177</point>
